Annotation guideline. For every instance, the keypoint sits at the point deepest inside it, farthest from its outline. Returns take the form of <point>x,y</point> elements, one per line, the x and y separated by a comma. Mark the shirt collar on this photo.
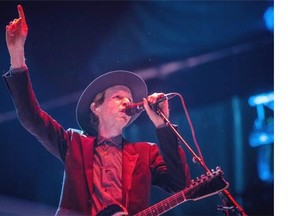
<point>116,141</point>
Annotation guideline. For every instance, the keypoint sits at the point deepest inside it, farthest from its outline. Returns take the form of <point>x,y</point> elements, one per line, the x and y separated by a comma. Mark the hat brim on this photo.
<point>131,80</point>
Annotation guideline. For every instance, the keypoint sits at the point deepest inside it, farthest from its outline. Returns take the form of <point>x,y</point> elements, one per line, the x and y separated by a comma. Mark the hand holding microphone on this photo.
<point>135,108</point>
<point>156,100</point>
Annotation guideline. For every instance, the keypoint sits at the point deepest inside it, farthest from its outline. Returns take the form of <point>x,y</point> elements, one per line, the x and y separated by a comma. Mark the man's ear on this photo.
<point>94,109</point>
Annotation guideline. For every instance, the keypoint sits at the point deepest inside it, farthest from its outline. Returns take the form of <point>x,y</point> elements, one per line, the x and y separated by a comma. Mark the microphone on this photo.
<point>135,108</point>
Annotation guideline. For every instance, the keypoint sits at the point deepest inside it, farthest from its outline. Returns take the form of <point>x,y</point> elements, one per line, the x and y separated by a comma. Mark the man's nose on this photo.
<point>125,102</point>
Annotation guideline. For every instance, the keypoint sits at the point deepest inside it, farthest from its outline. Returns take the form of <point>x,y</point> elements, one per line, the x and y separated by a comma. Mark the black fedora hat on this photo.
<point>131,80</point>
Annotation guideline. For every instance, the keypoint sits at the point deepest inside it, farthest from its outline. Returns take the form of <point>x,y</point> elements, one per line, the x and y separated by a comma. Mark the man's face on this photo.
<point>111,112</point>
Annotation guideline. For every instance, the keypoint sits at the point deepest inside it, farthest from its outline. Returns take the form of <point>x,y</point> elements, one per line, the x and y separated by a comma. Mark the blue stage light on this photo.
<point>262,134</point>
<point>269,18</point>
<point>263,128</point>
<point>262,99</point>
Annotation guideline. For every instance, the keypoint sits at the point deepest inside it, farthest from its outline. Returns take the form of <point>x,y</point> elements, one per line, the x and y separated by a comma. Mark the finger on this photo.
<point>9,31</point>
<point>146,105</point>
<point>155,97</point>
<point>21,13</point>
<point>152,98</point>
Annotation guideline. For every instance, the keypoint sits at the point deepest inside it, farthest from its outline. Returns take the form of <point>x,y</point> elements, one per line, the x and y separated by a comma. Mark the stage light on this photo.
<point>263,128</point>
<point>269,18</point>
<point>262,99</point>
<point>262,134</point>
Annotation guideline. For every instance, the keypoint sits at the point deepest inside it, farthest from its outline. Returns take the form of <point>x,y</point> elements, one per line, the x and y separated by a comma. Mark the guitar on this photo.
<point>199,188</point>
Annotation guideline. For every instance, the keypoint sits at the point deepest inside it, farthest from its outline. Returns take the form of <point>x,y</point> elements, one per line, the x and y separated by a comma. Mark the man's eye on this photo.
<point>118,97</point>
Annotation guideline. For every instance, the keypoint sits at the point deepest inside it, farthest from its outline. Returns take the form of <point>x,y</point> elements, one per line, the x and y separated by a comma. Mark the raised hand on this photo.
<point>16,34</point>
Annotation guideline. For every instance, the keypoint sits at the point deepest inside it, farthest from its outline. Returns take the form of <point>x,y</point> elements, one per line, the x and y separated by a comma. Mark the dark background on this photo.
<point>216,54</point>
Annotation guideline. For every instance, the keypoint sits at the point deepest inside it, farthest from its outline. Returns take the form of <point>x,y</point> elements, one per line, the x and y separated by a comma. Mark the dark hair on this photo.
<point>98,100</point>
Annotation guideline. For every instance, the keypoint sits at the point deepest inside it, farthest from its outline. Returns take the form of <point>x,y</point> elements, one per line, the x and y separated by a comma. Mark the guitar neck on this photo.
<point>164,206</point>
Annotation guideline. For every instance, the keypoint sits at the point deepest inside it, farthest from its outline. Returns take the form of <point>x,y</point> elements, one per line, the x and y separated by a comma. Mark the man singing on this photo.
<point>102,169</point>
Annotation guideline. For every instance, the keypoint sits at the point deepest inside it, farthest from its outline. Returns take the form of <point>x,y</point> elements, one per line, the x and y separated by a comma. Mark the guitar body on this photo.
<point>207,185</point>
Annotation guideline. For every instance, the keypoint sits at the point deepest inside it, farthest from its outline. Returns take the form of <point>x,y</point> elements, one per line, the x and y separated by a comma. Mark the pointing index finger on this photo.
<point>21,13</point>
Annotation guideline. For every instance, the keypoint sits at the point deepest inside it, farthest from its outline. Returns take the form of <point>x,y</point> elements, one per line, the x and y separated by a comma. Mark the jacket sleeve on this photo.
<point>37,122</point>
<point>176,175</point>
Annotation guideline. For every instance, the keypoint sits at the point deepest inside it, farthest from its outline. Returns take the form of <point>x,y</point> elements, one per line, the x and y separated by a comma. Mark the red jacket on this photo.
<point>143,164</point>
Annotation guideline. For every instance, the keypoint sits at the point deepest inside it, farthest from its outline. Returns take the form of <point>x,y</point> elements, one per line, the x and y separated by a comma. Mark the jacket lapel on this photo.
<point>130,157</point>
<point>87,155</point>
